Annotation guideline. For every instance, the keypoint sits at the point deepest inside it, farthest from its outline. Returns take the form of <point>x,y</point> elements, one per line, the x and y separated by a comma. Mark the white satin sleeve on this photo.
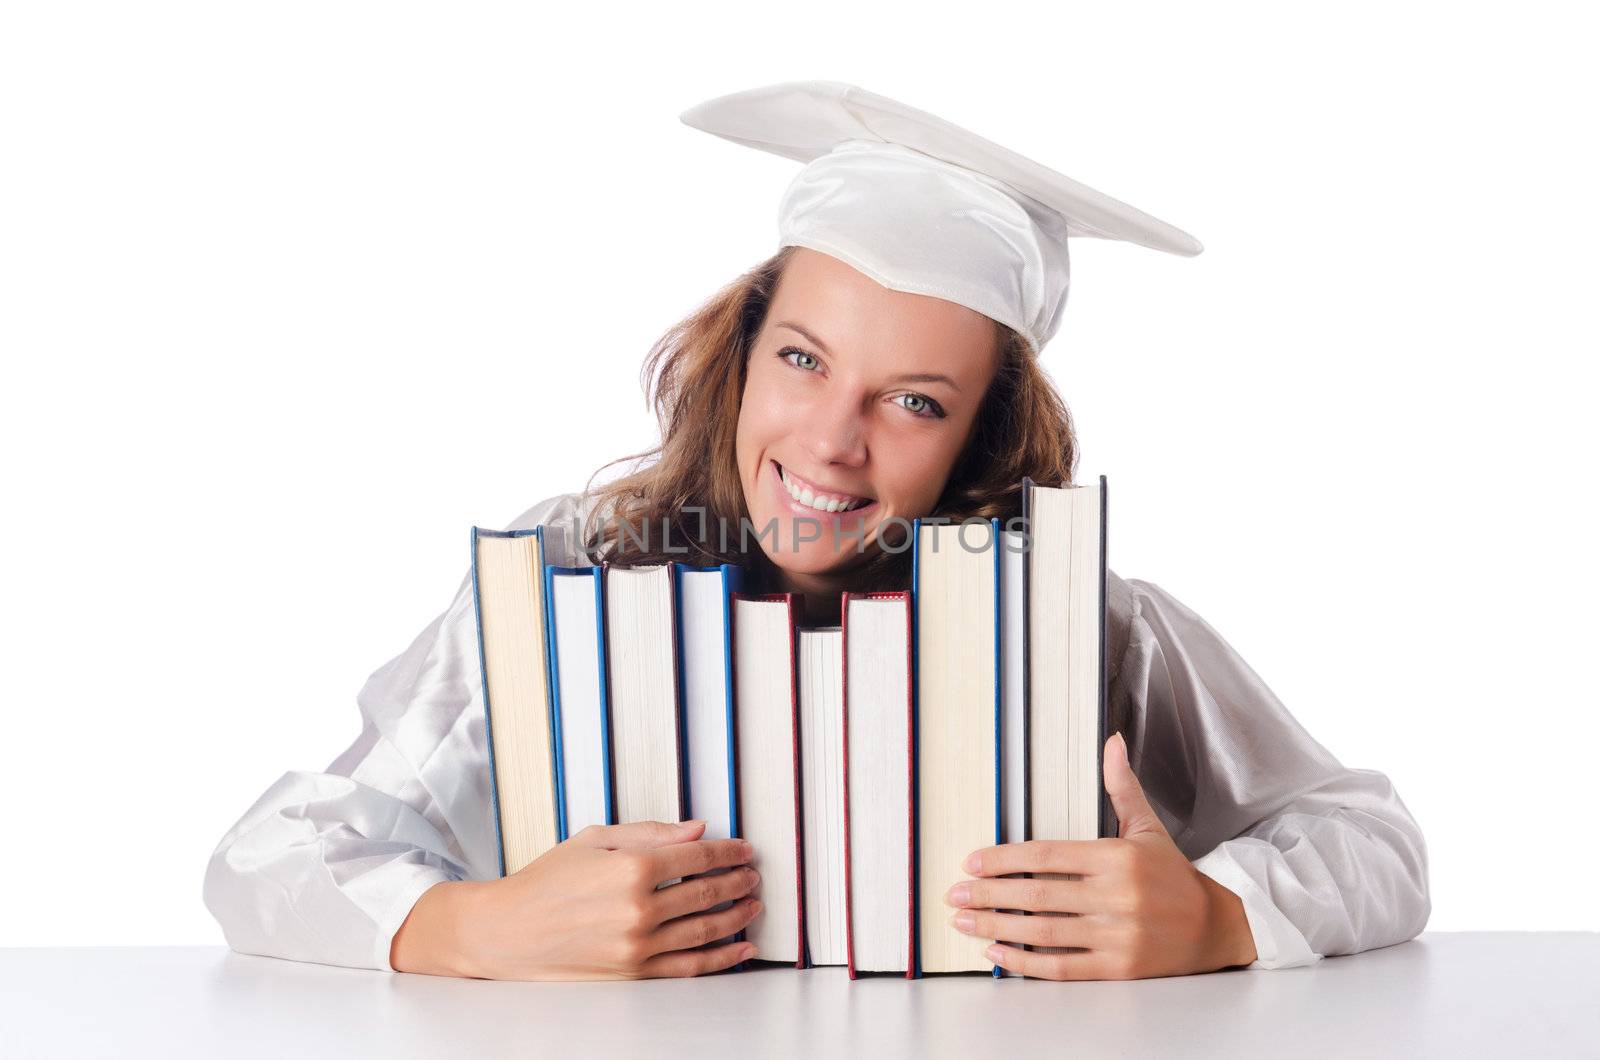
<point>326,866</point>
<point>1325,859</point>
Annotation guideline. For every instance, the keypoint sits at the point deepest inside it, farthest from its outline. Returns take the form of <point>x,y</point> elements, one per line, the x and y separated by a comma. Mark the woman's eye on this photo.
<point>802,359</point>
<point>922,406</point>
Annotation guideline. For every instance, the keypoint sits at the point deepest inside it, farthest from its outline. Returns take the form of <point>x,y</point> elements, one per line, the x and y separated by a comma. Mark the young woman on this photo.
<point>810,390</point>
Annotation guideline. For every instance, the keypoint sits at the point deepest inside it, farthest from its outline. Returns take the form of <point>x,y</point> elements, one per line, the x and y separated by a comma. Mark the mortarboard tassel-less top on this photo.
<point>924,206</point>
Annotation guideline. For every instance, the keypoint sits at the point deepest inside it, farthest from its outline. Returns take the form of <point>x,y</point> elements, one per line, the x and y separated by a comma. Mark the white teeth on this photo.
<point>820,501</point>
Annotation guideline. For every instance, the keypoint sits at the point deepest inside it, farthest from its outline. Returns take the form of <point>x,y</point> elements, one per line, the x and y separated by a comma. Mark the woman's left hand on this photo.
<point>1143,909</point>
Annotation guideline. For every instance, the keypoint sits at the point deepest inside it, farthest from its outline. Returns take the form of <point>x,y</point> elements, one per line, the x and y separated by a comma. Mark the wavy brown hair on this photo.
<point>694,378</point>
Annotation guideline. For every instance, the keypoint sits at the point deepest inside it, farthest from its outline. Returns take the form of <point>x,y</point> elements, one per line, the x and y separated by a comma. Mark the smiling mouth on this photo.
<point>827,503</point>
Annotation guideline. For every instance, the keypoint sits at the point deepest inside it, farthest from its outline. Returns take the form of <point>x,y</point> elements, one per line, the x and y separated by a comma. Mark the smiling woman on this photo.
<point>882,366</point>
<point>806,379</point>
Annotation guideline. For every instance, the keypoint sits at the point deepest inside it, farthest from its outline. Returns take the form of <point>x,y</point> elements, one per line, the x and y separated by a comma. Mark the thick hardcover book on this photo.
<point>514,662</point>
<point>705,640</point>
<point>1013,693</point>
<point>643,693</point>
<point>955,593</point>
<point>575,603</point>
<point>1067,685</point>
<point>821,670</point>
<point>879,855</point>
<point>705,667</point>
<point>767,735</point>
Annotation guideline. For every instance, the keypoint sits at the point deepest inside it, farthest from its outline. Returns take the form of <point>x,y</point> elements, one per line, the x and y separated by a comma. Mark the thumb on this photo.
<point>1133,811</point>
<point>639,835</point>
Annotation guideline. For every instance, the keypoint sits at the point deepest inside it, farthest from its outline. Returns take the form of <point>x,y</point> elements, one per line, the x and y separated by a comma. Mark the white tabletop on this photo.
<point>1448,995</point>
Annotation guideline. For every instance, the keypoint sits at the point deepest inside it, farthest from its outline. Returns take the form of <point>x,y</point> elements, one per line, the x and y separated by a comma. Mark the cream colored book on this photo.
<point>820,653</point>
<point>955,602</point>
<point>879,865</point>
<point>508,592</point>
<point>1066,696</point>
<point>767,724</point>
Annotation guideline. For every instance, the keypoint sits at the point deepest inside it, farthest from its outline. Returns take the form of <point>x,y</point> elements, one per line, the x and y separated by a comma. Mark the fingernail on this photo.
<point>964,921</point>
<point>973,863</point>
<point>688,826</point>
<point>747,953</point>
<point>993,953</point>
<point>958,894</point>
<point>755,905</point>
<point>745,848</point>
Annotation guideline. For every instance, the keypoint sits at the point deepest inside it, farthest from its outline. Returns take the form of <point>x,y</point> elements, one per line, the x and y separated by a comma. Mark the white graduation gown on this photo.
<point>1326,860</point>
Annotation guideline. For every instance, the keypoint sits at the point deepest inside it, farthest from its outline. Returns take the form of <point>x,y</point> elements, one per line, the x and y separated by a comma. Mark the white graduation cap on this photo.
<point>924,206</point>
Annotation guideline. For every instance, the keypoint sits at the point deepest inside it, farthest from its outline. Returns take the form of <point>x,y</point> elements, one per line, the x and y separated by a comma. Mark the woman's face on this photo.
<point>854,395</point>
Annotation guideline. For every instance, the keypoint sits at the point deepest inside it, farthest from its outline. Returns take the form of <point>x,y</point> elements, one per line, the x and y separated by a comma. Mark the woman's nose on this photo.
<point>836,435</point>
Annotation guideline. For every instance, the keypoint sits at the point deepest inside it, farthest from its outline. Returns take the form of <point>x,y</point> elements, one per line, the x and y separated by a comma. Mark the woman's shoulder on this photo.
<point>1134,608</point>
<point>550,511</point>
<point>568,511</point>
<point>1135,602</point>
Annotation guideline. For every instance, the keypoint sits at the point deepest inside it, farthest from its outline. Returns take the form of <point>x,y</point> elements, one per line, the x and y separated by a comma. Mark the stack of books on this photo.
<point>862,761</point>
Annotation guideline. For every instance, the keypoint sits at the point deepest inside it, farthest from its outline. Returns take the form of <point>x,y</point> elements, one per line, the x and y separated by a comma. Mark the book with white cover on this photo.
<point>642,671</point>
<point>1013,693</point>
<point>821,669</point>
<point>705,664</point>
<point>1066,641</point>
<point>955,585</point>
<point>877,781</point>
<point>1067,694</point>
<point>767,739</point>
<point>578,684</point>
<point>705,648</point>
<point>513,660</point>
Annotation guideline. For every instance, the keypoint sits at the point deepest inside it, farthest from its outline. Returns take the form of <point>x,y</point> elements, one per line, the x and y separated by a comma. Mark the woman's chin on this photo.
<point>826,548</point>
<point>812,562</point>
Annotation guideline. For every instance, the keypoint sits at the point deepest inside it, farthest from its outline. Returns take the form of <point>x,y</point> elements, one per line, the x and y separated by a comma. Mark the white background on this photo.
<point>293,294</point>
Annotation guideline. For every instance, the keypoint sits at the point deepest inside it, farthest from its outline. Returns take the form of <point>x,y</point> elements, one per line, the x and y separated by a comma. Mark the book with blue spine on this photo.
<point>643,692</point>
<point>703,615</point>
<point>705,639</point>
<point>575,601</point>
<point>513,661</point>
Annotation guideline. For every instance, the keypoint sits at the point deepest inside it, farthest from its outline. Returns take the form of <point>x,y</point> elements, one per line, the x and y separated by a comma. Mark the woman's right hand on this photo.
<point>589,909</point>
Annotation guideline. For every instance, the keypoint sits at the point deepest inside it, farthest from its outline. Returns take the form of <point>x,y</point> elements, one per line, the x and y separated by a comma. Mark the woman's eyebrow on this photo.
<point>915,377</point>
<point>823,346</point>
<point>925,377</point>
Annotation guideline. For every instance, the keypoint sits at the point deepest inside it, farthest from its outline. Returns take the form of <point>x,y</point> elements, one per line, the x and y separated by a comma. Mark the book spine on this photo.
<point>1027,675</point>
<point>804,949</point>
<point>680,726</point>
<point>488,719</point>
<point>994,548</point>
<point>1108,815</point>
<point>915,970</point>
<point>553,666</point>
<point>911,791</point>
<point>603,589</point>
<point>732,583</point>
<point>844,756</point>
